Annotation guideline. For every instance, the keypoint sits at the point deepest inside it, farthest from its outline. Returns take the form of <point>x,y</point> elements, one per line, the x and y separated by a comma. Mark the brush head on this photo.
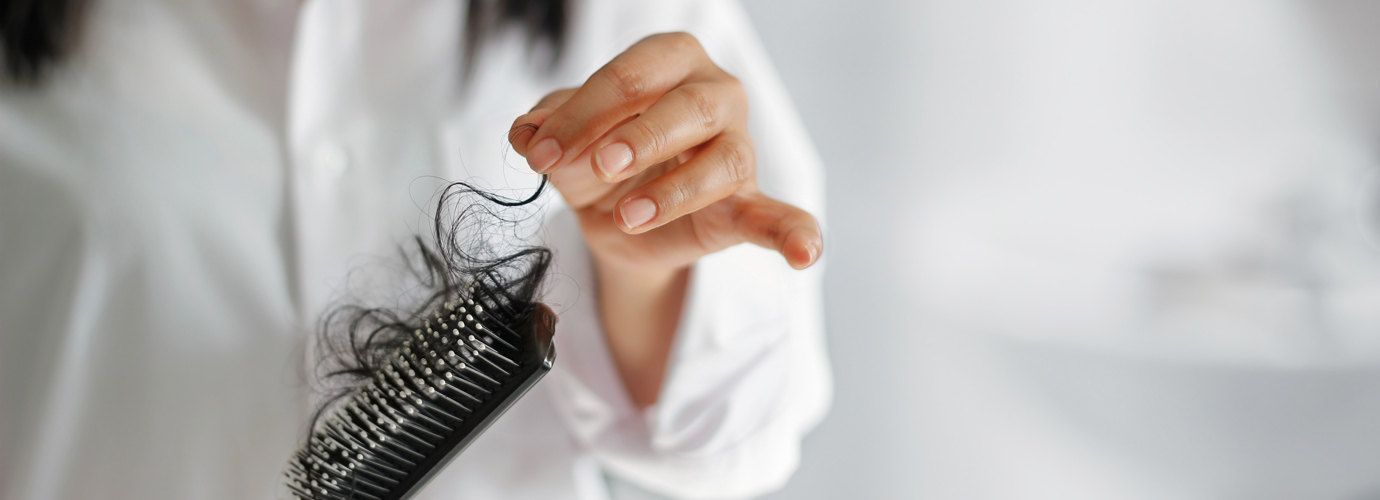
<point>432,395</point>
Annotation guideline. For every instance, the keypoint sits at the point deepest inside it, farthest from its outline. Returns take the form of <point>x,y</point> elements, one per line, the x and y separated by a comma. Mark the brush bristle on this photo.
<point>461,368</point>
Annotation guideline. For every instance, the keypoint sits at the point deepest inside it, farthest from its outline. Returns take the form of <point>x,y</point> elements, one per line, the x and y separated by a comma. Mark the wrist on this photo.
<point>640,308</point>
<point>635,274</point>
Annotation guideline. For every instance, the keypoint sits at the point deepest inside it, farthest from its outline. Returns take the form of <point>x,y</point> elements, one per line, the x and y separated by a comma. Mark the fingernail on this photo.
<point>615,158</point>
<point>544,155</point>
<point>637,212</point>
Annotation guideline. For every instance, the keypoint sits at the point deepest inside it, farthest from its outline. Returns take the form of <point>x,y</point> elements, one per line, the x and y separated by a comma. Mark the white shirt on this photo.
<point>182,199</point>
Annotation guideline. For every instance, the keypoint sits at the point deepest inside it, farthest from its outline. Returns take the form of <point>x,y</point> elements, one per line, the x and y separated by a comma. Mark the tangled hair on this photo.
<point>354,341</point>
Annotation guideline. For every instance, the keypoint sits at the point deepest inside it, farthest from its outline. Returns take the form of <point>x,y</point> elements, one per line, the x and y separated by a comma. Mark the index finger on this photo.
<point>626,86</point>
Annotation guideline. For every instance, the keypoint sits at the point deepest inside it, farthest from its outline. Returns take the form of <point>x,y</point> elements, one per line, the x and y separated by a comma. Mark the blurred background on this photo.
<point>1086,249</point>
<point>1076,249</point>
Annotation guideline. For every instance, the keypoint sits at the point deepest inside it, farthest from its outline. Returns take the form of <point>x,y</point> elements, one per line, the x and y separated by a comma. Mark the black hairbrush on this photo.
<point>440,390</point>
<point>423,385</point>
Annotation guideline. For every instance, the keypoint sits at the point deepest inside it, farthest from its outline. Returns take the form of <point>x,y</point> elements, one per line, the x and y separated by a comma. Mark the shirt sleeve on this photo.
<point>748,374</point>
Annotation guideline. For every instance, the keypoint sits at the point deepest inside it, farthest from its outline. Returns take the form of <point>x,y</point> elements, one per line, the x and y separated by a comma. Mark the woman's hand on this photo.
<point>653,155</point>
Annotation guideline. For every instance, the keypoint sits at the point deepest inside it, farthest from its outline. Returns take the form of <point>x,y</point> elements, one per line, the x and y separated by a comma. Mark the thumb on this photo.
<point>780,226</point>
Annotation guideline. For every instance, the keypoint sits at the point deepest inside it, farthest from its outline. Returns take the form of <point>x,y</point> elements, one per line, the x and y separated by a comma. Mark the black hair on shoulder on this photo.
<point>37,34</point>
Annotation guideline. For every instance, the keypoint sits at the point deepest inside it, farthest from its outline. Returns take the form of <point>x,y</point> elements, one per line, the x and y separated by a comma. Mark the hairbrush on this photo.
<point>425,384</point>
<point>468,364</point>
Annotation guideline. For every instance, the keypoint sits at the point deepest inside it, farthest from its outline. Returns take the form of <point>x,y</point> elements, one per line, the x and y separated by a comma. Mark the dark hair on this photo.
<point>37,34</point>
<point>544,20</point>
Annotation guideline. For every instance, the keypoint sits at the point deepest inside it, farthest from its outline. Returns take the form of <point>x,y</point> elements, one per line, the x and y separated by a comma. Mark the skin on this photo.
<point>654,156</point>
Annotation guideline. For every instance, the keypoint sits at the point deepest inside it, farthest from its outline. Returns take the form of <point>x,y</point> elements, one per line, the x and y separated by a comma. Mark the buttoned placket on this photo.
<point>345,154</point>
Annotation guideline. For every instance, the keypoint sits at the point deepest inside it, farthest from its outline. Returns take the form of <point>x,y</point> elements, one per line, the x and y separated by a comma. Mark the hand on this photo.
<point>653,155</point>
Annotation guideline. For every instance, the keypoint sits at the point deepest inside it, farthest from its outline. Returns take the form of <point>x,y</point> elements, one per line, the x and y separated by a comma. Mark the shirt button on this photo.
<point>330,160</point>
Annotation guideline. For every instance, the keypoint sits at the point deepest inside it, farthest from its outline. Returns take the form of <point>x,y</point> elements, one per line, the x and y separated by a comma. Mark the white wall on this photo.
<point>1082,249</point>
<point>850,67</point>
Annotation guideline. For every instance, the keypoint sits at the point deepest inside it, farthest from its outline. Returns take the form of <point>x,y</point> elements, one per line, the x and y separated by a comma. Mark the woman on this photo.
<point>185,190</point>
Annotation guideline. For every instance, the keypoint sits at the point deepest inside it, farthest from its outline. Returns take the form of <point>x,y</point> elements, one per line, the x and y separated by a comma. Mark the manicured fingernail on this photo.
<point>637,212</point>
<point>544,155</point>
<point>614,158</point>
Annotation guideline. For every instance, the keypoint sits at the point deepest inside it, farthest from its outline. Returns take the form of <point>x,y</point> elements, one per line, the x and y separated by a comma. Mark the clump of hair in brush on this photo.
<point>408,387</point>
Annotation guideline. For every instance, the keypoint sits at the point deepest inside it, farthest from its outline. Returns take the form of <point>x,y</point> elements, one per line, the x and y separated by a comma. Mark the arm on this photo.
<point>747,372</point>
<point>640,309</point>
